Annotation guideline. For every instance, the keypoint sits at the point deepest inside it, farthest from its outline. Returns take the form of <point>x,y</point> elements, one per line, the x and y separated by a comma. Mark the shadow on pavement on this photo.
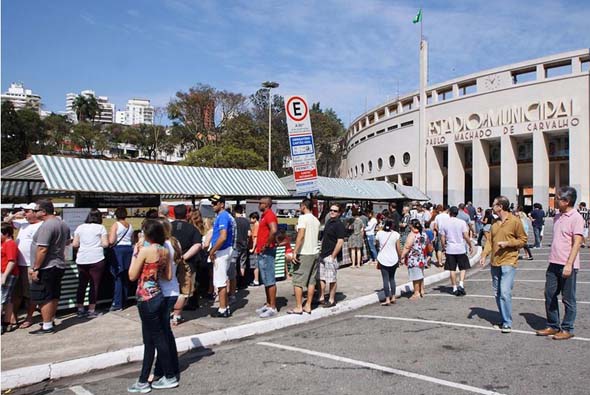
<point>535,321</point>
<point>490,316</point>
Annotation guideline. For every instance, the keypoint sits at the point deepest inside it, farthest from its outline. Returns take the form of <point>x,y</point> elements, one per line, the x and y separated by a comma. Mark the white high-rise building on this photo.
<point>138,111</point>
<point>21,97</point>
<point>107,110</point>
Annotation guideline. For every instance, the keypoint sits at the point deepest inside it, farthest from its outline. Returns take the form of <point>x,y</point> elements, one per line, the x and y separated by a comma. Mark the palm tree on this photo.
<point>85,107</point>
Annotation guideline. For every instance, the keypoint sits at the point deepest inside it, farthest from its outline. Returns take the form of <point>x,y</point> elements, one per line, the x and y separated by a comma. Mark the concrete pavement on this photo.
<point>81,345</point>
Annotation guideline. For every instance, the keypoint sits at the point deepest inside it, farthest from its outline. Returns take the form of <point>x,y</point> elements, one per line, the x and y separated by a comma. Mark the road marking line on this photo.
<point>454,324</point>
<point>382,368</point>
<point>79,390</point>
<point>493,297</point>
<point>544,270</point>
<point>518,281</point>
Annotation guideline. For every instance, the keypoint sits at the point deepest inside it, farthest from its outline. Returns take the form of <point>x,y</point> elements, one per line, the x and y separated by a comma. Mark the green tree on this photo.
<point>12,138</point>
<point>192,115</point>
<point>243,131</point>
<point>57,130</point>
<point>227,156</point>
<point>86,108</point>
<point>328,130</point>
<point>89,138</point>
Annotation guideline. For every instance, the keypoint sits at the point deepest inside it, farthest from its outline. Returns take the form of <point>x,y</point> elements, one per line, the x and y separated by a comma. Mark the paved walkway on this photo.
<point>77,338</point>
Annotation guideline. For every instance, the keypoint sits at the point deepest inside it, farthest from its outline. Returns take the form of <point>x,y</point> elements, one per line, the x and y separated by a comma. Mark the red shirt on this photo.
<point>268,217</point>
<point>9,253</point>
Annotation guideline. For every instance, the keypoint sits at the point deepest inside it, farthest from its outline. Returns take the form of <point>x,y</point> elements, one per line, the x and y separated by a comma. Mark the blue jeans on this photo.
<point>503,281</point>
<point>266,265</point>
<point>388,276</point>
<point>154,321</point>
<point>537,232</point>
<point>556,284</point>
<point>120,269</point>
<point>372,248</point>
<point>169,302</point>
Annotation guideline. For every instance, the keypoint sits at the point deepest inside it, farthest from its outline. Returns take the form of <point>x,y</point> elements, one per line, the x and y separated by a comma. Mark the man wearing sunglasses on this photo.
<point>331,254</point>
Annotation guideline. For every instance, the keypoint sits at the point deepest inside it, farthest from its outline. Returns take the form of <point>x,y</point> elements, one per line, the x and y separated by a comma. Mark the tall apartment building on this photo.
<point>138,111</point>
<point>107,109</point>
<point>21,97</point>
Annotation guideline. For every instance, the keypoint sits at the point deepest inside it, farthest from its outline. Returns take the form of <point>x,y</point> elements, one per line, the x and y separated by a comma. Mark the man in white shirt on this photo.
<point>27,230</point>
<point>306,258</point>
<point>454,234</point>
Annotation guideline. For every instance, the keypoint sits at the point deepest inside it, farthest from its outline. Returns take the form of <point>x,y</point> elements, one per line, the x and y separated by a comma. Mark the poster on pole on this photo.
<point>301,144</point>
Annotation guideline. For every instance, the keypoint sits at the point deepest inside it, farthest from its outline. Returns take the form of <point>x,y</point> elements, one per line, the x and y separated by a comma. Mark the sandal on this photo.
<point>25,325</point>
<point>175,321</point>
<point>294,312</point>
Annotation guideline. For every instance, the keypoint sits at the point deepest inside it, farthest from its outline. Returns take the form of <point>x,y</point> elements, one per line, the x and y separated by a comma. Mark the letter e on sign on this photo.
<point>297,108</point>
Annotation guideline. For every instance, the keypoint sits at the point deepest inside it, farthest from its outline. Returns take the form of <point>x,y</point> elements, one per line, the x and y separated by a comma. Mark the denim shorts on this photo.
<point>266,265</point>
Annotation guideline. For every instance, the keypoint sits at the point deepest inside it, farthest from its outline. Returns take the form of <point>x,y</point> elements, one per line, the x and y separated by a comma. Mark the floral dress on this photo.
<point>416,258</point>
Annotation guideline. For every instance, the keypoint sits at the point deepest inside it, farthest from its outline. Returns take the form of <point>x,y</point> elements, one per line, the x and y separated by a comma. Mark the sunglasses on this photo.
<point>334,211</point>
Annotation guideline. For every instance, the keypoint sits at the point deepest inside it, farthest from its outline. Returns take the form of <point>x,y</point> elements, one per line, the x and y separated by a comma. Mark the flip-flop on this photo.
<point>25,325</point>
<point>294,312</point>
<point>307,312</point>
<point>385,304</point>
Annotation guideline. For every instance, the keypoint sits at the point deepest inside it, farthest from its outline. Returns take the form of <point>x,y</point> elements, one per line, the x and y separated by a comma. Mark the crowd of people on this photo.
<point>173,260</point>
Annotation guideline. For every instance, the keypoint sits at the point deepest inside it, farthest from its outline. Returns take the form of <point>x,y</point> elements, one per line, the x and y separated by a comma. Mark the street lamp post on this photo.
<point>269,85</point>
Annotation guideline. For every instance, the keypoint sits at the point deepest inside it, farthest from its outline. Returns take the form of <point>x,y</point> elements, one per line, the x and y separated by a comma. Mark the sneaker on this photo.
<point>506,329</point>
<point>218,314</point>
<point>262,309</point>
<point>93,314</point>
<point>270,312</point>
<point>81,313</point>
<point>165,383</point>
<point>254,284</point>
<point>42,331</point>
<point>114,308</point>
<point>461,291</point>
<point>140,388</point>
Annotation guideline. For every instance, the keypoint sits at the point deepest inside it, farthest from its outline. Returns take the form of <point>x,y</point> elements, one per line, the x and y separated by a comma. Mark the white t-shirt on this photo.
<point>371,225</point>
<point>170,288</point>
<point>91,249</point>
<point>126,240</point>
<point>453,230</point>
<point>387,252</point>
<point>440,220</point>
<point>312,230</point>
<point>24,241</point>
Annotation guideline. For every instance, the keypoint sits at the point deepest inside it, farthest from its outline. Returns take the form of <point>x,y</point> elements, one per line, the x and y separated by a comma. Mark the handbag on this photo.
<point>109,254</point>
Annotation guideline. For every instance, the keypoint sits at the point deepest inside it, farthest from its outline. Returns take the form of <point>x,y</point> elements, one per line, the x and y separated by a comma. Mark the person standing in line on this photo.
<point>394,215</point>
<point>370,233</point>
<point>414,254</point>
<point>120,237</point>
<point>583,210</point>
<point>241,250</point>
<point>486,222</point>
<point>507,237</point>
<point>266,250</point>
<point>331,255</point>
<point>24,239</point>
<point>253,257</point>
<point>190,240</point>
<point>564,263</point>
<point>220,252</point>
<point>49,264</point>
<point>454,235</point>
<point>538,218</point>
<point>388,259</point>
<point>150,263</point>
<point>91,239</point>
<point>519,213</point>
<point>10,273</point>
<point>440,219</point>
<point>355,240</point>
<point>306,257</point>
<point>404,225</point>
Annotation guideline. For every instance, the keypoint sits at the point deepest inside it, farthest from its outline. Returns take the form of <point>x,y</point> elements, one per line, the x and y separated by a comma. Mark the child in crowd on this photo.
<point>284,241</point>
<point>10,273</point>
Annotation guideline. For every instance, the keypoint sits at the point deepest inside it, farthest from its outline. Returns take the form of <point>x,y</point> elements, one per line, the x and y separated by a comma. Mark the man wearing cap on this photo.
<point>266,250</point>
<point>454,234</point>
<point>220,253</point>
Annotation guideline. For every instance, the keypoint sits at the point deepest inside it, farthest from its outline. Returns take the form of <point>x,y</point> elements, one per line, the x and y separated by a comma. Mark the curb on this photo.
<point>35,374</point>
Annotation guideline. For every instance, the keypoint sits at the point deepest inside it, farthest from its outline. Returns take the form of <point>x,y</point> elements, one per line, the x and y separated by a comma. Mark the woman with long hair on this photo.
<point>91,239</point>
<point>120,237</point>
<point>414,254</point>
<point>388,259</point>
<point>487,221</point>
<point>150,264</point>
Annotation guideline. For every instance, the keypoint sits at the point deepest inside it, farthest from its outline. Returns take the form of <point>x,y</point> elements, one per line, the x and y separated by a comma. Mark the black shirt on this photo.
<point>243,227</point>
<point>333,231</point>
<point>187,235</point>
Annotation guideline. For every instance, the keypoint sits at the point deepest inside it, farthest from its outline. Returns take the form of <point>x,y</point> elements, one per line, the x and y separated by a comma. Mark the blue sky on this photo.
<point>345,54</point>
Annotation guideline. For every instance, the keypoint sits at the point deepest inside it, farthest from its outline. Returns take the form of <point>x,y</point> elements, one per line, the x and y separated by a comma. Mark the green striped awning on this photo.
<point>121,177</point>
<point>343,188</point>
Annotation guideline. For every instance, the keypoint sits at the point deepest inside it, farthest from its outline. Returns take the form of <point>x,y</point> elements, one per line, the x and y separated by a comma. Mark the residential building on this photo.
<point>107,109</point>
<point>138,111</point>
<point>22,97</point>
